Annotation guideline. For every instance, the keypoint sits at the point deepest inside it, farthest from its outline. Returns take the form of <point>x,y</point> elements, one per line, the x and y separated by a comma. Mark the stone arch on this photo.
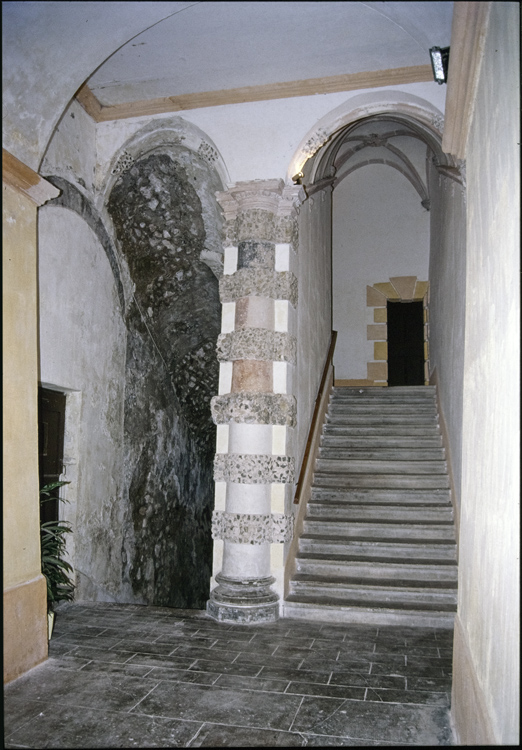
<point>312,154</point>
<point>73,199</point>
<point>176,137</point>
<point>159,197</point>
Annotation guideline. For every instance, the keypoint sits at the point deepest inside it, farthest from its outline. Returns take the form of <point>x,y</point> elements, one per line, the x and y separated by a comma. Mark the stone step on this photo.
<point>374,593</point>
<point>380,441</point>
<point>383,410</point>
<point>388,481</point>
<point>382,454</point>
<point>407,391</point>
<point>362,570</point>
<point>396,513</point>
<point>378,420</point>
<point>323,611</point>
<point>375,466</point>
<point>387,406</point>
<point>379,530</point>
<point>382,430</point>
<point>384,398</point>
<point>382,496</point>
<point>416,551</point>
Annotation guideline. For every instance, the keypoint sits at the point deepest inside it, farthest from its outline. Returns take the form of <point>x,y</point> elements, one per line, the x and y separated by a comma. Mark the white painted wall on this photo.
<point>489,587</point>
<point>314,308</point>
<point>447,311</point>
<point>259,140</point>
<point>380,230</point>
<point>82,350</point>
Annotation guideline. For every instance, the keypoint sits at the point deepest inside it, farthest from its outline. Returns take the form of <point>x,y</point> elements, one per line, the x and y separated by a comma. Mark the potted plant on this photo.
<point>54,566</point>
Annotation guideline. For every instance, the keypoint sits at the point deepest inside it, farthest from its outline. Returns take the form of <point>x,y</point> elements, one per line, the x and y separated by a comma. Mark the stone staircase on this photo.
<point>378,543</point>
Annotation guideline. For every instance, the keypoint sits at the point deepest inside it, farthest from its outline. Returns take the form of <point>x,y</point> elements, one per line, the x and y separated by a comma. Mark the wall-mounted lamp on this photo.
<point>296,179</point>
<point>439,63</point>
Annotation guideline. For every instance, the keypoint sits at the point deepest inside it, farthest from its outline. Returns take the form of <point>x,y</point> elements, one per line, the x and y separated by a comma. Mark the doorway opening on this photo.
<point>405,343</point>
<point>51,430</point>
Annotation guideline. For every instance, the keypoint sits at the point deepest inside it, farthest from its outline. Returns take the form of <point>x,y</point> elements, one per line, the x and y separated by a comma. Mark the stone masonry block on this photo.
<point>387,289</point>
<point>250,528</point>
<point>256,254</point>
<point>254,408</point>
<point>259,282</point>
<point>405,286</point>
<point>380,350</point>
<point>251,375</point>
<point>377,332</point>
<point>256,343</point>
<point>254,312</point>
<point>250,468</point>
<point>374,298</point>
<point>421,289</point>
<point>380,315</point>
<point>377,371</point>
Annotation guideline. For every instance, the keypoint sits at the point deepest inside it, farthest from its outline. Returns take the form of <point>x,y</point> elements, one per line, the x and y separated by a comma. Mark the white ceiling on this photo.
<point>210,46</point>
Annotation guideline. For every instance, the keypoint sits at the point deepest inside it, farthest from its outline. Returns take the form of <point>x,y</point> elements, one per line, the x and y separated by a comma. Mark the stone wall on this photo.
<point>171,373</point>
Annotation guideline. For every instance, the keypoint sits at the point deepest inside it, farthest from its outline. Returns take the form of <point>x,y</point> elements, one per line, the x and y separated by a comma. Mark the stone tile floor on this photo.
<point>134,676</point>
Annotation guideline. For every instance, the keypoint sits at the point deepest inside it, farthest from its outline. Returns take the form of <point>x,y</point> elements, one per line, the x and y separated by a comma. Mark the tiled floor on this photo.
<point>130,676</point>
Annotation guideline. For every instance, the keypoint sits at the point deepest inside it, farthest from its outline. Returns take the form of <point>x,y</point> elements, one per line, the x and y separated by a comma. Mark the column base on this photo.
<point>243,601</point>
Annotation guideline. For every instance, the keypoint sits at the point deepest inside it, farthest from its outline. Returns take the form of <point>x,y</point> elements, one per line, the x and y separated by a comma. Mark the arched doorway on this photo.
<point>382,172</point>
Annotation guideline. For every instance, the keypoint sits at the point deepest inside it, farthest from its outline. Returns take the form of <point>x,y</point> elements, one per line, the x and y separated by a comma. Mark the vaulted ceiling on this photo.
<point>212,46</point>
<point>182,55</point>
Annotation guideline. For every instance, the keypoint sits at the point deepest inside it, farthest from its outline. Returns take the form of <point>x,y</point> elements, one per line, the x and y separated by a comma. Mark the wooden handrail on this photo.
<point>313,425</point>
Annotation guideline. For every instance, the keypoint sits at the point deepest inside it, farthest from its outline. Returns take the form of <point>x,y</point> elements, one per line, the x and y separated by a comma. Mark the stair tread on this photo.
<point>376,583</point>
<point>336,558</point>
<point>383,605</point>
<point>402,541</point>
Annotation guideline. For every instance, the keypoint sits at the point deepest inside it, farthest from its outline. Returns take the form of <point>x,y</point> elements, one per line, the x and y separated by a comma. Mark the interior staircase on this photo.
<point>378,543</point>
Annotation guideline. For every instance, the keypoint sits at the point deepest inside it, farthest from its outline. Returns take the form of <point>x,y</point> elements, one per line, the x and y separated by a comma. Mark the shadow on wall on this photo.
<point>171,374</point>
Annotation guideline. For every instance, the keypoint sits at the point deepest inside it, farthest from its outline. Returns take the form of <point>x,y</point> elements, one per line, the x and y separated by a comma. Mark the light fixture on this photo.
<point>296,179</point>
<point>439,63</point>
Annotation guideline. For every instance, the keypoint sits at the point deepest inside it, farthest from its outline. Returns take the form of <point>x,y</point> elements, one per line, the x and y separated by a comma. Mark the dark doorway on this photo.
<point>51,427</point>
<point>405,343</point>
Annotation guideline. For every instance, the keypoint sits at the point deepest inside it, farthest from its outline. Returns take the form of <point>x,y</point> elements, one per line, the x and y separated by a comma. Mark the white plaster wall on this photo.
<point>379,230</point>
<point>71,153</point>
<point>49,50</point>
<point>82,350</point>
<point>489,540</point>
<point>258,140</point>
<point>447,310</point>
<point>314,310</point>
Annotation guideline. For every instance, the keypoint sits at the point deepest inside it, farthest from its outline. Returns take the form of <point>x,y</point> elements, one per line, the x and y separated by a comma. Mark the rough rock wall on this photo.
<point>171,373</point>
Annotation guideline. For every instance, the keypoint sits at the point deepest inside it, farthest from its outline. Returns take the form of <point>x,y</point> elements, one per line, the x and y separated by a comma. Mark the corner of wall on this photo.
<point>471,721</point>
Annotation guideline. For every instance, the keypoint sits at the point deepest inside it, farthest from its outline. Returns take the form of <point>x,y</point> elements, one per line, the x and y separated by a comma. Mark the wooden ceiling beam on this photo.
<point>307,87</point>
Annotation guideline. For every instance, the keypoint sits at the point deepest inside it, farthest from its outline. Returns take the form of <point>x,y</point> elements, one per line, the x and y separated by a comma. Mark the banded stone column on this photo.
<point>255,410</point>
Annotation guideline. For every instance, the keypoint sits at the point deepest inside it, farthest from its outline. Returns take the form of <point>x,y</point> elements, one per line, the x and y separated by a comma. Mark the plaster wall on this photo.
<point>447,312</point>
<point>380,230</point>
<point>489,587</point>
<point>259,140</point>
<point>82,352</point>
<point>40,39</point>
<point>71,152</point>
<point>314,308</point>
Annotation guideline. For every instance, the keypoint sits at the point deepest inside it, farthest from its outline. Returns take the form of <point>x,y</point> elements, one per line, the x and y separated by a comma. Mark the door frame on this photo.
<point>400,289</point>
